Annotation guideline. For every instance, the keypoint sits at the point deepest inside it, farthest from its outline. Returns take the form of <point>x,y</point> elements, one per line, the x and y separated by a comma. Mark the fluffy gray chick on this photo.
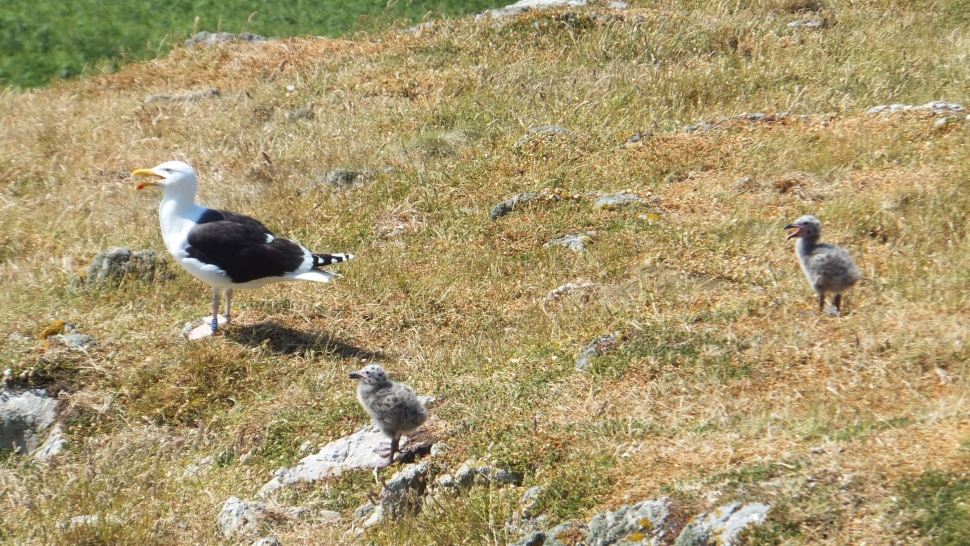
<point>394,407</point>
<point>829,268</point>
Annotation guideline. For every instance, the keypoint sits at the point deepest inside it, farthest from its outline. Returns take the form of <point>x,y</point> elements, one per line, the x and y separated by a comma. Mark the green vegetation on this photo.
<point>52,39</point>
<point>725,383</point>
<point>936,505</point>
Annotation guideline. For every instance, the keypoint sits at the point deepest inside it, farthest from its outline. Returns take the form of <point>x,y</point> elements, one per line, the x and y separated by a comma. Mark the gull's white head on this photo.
<point>173,177</point>
<point>371,375</point>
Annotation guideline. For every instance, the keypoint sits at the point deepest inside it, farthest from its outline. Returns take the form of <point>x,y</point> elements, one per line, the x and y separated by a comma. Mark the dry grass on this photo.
<point>726,384</point>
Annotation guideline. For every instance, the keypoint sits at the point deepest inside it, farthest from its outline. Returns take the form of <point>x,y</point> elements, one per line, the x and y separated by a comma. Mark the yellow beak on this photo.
<point>145,172</point>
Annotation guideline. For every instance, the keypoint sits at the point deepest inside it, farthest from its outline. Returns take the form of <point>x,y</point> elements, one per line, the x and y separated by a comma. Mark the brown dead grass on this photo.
<point>724,368</point>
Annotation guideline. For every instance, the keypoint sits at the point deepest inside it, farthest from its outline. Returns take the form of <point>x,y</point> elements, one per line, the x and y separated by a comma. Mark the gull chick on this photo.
<point>393,407</point>
<point>224,249</point>
<point>829,268</point>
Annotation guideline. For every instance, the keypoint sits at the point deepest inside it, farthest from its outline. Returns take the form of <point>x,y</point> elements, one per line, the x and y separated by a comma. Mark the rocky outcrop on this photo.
<point>24,419</point>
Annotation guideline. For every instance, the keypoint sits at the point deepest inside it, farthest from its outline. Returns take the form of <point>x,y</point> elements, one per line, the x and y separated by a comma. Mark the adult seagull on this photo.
<point>223,249</point>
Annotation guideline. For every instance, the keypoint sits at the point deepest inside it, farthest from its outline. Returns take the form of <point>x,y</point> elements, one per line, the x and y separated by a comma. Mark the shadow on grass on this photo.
<point>286,341</point>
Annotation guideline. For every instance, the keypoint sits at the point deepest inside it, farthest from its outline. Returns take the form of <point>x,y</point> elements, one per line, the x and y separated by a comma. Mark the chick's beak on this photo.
<point>356,375</point>
<point>796,233</point>
<point>146,184</point>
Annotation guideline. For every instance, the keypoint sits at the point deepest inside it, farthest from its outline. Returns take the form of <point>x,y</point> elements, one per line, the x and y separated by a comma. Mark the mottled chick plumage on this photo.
<point>394,407</point>
<point>829,268</point>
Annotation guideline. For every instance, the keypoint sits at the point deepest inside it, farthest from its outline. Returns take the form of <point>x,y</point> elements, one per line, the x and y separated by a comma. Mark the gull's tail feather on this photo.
<point>320,260</point>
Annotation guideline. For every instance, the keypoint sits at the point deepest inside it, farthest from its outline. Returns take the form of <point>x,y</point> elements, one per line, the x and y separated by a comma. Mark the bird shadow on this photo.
<point>287,341</point>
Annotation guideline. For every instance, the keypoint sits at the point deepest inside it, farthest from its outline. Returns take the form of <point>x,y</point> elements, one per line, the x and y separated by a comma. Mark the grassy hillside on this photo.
<point>48,39</point>
<point>726,383</point>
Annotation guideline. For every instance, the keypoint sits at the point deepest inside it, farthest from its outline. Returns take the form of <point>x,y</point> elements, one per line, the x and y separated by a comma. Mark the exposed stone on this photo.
<point>209,39</point>
<point>80,521</point>
<point>184,97</point>
<point>602,345</point>
<point>118,264</point>
<point>239,516</point>
<point>546,132</point>
<point>473,472</point>
<point>569,288</point>
<point>300,113</point>
<point>345,178</point>
<point>613,202</point>
<point>575,242</point>
<point>643,522</point>
<point>54,444</point>
<point>722,525</point>
<point>566,534</point>
<point>24,418</point>
<point>74,341</point>
<point>199,469</point>
<point>811,24</point>
<point>523,6</point>
<point>535,539</point>
<point>404,489</point>
<point>349,453</point>
<point>511,204</point>
<point>936,107</point>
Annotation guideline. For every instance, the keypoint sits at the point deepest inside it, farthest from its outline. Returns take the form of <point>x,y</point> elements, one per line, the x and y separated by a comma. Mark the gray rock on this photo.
<point>80,521</point>
<point>511,204</point>
<point>210,39</point>
<point>529,499</point>
<point>74,341</point>
<point>447,481</point>
<point>535,539</point>
<point>575,242</point>
<point>199,469</point>
<point>117,264</point>
<point>523,6</point>
<point>239,516</point>
<point>472,472</point>
<point>612,202</point>
<point>184,97</point>
<point>268,541</point>
<point>545,131</point>
<point>569,288</point>
<point>600,346</point>
<point>300,113</point>
<point>642,523</point>
<point>566,534</point>
<point>343,178</point>
<point>811,24</point>
<point>24,419</point>
<point>349,453</point>
<point>53,446</point>
<point>936,107</point>
<point>722,525</point>
<point>403,491</point>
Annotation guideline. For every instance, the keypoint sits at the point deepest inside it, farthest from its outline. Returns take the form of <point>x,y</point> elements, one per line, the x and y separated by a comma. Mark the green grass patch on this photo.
<point>935,506</point>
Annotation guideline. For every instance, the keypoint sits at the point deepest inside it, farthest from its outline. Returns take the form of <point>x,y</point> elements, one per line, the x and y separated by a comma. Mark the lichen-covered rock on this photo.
<point>511,204</point>
<point>117,264</point>
<point>24,419</point>
<point>937,107</point>
<point>239,516</point>
<point>615,201</point>
<point>53,446</point>
<point>209,39</point>
<point>642,523</point>
<point>349,453</point>
<point>722,525</point>
<point>575,241</point>
<point>600,346</point>
<point>191,96</point>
